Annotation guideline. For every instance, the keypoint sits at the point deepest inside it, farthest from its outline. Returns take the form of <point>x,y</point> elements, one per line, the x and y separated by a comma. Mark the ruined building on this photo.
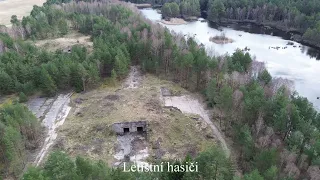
<point>129,127</point>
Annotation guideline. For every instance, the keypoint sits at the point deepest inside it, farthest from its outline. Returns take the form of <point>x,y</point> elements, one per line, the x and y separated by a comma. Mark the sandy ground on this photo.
<point>52,112</point>
<point>189,104</point>
<point>134,78</point>
<point>66,42</point>
<point>174,21</point>
<point>16,7</point>
<point>126,143</point>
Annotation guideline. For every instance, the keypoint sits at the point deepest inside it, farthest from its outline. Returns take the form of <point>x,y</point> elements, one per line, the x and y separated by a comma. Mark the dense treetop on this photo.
<point>20,132</point>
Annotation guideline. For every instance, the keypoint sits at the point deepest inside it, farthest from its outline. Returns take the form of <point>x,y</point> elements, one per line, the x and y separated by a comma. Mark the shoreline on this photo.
<point>295,34</point>
<point>285,36</point>
<point>174,21</point>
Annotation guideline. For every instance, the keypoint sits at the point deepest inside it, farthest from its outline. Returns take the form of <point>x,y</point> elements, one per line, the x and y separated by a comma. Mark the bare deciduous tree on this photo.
<point>259,123</point>
<point>237,98</point>
<point>279,82</point>
<point>256,68</point>
<point>314,172</point>
<point>292,170</point>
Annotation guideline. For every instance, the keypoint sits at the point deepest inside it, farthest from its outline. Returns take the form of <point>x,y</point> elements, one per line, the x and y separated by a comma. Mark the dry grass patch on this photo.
<point>87,129</point>
<point>66,42</point>
<point>8,99</point>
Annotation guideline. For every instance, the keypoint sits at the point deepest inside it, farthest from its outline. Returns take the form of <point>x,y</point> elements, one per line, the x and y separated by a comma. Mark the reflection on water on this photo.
<point>295,62</point>
<point>252,28</point>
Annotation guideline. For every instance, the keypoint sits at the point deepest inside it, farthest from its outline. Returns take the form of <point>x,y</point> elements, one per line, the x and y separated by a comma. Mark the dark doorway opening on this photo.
<point>126,130</point>
<point>140,129</point>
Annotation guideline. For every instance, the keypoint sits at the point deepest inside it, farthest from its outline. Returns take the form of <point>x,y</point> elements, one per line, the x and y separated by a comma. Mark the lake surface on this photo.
<point>298,64</point>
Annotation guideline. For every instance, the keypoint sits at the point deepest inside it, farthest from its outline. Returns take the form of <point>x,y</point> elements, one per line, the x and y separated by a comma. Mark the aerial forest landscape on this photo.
<point>159,89</point>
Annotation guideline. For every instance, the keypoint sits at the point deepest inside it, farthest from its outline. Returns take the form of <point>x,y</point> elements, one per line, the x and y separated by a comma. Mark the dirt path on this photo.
<point>53,112</point>
<point>132,147</point>
<point>188,104</point>
<point>134,78</point>
<point>66,42</point>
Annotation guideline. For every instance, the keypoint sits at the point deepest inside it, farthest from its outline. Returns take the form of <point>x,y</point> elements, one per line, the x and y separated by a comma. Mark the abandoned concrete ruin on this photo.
<point>165,91</point>
<point>131,142</point>
<point>130,127</point>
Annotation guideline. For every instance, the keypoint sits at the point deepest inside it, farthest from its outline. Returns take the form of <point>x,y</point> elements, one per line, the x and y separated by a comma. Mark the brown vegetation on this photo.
<point>174,21</point>
<point>140,6</point>
<point>221,39</point>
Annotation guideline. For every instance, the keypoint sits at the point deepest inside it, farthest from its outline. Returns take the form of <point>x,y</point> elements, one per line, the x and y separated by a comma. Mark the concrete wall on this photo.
<point>118,128</point>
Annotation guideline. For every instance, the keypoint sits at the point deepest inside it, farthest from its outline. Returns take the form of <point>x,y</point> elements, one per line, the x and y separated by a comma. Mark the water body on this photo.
<point>298,64</point>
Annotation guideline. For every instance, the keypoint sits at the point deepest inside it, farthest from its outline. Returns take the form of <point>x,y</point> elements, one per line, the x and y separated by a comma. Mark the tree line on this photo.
<point>59,166</point>
<point>298,16</point>
<point>301,16</point>
<point>185,9</point>
<point>275,129</point>
<point>20,132</point>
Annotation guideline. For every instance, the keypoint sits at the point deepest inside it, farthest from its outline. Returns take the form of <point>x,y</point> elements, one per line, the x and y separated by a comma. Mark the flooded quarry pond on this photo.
<point>295,62</point>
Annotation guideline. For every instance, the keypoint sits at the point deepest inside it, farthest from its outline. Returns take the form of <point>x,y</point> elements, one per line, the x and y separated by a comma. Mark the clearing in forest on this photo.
<point>66,42</point>
<point>190,104</point>
<point>171,134</point>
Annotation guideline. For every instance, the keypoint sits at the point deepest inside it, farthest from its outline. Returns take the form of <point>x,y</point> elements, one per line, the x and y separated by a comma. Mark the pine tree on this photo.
<point>33,173</point>
<point>113,76</point>
<point>224,102</point>
<point>265,77</point>
<point>216,10</point>
<point>22,97</point>
<point>211,91</point>
<point>245,140</point>
<point>121,64</point>
<point>78,77</point>
<point>271,173</point>
<point>60,166</point>
<point>46,83</point>
<point>6,83</point>
<point>187,63</point>
<point>63,27</point>
<point>14,20</point>
<point>254,175</point>
<point>84,167</point>
<point>64,77</point>
<point>200,64</point>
